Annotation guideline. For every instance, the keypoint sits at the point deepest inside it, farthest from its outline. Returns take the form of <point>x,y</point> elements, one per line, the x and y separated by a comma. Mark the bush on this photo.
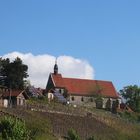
<point>91,138</point>
<point>130,116</point>
<point>72,135</point>
<point>13,129</point>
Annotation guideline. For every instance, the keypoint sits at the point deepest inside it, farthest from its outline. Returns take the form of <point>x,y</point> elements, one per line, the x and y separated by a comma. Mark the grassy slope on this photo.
<point>35,121</point>
<point>103,125</point>
<point>124,129</point>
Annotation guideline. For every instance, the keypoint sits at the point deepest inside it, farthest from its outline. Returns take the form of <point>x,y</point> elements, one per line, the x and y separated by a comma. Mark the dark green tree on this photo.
<point>3,70</point>
<point>132,96</point>
<point>15,73</point>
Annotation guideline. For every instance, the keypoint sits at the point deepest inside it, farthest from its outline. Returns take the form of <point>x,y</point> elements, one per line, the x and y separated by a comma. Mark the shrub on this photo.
<point>72,135</point>
<point>13,129</point>
<point>91,138</point>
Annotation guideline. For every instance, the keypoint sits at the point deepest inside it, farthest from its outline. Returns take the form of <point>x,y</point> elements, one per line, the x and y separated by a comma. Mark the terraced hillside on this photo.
<point>53,123</point>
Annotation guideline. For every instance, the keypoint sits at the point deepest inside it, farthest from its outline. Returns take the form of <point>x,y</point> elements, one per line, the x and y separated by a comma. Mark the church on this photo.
<point>79,91</point>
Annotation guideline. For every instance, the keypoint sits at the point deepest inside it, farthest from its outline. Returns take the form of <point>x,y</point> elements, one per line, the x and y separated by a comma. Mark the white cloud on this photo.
<point>40,66</point>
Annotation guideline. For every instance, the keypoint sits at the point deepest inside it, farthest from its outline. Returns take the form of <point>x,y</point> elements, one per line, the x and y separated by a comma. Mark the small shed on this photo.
<point>14,98</point>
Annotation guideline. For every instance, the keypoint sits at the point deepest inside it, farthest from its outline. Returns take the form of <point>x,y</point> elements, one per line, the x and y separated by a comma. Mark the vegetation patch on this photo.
<point>13,129</point>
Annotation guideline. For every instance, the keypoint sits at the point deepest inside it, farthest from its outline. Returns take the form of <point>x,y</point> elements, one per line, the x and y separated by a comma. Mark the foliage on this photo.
<point>132,96</point>
<point>15,72</point>
<point>91,138</point>
<point>13,129</point>
<point>72,135</point>
<point>130,116</point>
<point>38,100</point>
<point>36,122</point>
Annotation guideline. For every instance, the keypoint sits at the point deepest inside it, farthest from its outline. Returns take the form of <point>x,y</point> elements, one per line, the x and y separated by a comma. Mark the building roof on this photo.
<point>14,93</point>
<point>84,87</point>
<point>35,91</point>
<point>58,80</point>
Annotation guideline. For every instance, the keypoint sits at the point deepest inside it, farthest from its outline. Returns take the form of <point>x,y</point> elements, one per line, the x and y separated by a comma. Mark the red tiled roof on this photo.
<point>108,89</point>
<point>14,93</point>
<point>85,87</point>
<point>58,80</point>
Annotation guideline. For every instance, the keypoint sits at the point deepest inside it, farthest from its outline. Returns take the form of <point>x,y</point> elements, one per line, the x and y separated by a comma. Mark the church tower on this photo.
<point>55,67</point>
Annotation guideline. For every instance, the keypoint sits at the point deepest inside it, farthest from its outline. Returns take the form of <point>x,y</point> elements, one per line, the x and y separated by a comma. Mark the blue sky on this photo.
<point>106,33</point>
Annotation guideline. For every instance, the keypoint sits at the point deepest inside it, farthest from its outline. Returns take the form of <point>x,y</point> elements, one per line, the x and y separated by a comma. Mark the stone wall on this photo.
<point>89,101</point>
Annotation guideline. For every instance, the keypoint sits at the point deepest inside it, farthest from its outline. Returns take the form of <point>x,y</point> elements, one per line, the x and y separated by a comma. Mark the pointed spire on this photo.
<point>55,67</point>
<point>56,60</point>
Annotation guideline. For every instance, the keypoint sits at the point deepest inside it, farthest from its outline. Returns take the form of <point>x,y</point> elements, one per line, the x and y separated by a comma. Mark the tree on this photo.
<point>3,65</point>
<point>132,96</point>
<point>15,73</point>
